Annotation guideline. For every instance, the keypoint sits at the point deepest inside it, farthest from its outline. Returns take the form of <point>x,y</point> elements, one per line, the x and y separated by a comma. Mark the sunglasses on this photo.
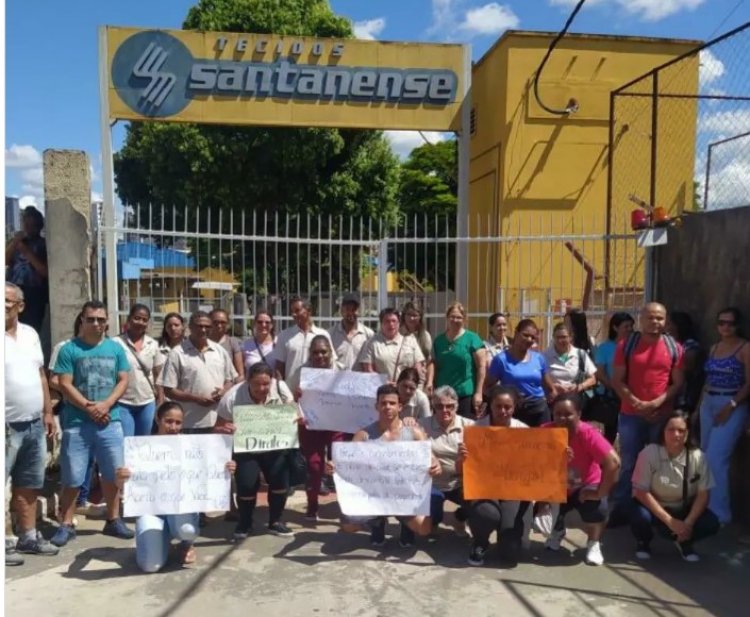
<point>726,322</point>
<point>93,320</point>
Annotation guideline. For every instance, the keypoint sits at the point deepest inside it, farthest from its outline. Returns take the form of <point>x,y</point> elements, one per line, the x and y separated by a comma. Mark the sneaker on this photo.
<point>92,510</point>
<point>12,558</point>
<point>554,541</point>
<point>377,533</point>
<point>37,546</point>
<point>63,535</point>
<point>686,552</point>
<point>594,555</point>
<point>406,537</point>
<point>476,556</point>
<point>241,532</point>
<point>118,529</point>
<point>311,517</point>
<point>280,529</point>
<point>643,551</point>
<point>324,490</point>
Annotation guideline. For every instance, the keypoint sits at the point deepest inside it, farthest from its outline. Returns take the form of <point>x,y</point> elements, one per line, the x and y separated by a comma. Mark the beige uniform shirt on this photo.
<point>445,444</point>
<point>141,383</point>
<point>662,476</point>
<point>200,373</point>
<point>348,349</point>
<point>389,358</point>
<point>240,395</point>
<point>293,348</point>
<point>418,407</point>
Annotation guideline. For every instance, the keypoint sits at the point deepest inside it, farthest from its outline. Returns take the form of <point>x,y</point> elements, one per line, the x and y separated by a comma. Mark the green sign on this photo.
<point>262,428</point>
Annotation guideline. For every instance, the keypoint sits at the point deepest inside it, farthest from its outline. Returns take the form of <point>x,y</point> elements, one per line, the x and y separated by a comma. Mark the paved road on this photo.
<point>324,572</point>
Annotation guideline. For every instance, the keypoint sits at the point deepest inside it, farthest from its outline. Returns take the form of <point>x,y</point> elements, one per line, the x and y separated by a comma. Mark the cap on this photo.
<point>350,298</point>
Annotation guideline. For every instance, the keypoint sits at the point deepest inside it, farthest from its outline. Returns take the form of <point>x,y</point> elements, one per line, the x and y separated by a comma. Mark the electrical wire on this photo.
<point>573,104</point>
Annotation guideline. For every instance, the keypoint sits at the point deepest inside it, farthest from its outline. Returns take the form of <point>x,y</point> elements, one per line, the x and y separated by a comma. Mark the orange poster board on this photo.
<point>516,464</point>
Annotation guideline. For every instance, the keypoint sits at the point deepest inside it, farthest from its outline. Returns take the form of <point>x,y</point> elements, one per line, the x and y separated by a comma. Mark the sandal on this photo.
<point>188,556</point>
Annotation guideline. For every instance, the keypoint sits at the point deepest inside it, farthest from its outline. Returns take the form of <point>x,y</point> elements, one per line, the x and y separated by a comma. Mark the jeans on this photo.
<point>82,442</point>
<point>533,411</point>
<point>437,503</point>
<point>83,493</point>
<point>137,420</point>
<point>153,535</point>
<point>275,468</point>
<point>25,453</point>
<point>635,434</point>
<point>643,522</point>
<point>592,512</point>
<point>718,443</point>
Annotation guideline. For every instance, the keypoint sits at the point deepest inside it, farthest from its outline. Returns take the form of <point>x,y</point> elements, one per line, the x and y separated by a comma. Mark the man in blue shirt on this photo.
<point>93,372</point>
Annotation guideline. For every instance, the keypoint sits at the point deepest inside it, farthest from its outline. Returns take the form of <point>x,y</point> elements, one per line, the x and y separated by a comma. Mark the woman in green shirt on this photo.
<point>458,360</point>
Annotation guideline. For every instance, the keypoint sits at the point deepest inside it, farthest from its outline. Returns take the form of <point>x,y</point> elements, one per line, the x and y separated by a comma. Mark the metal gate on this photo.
<point>183,259</point>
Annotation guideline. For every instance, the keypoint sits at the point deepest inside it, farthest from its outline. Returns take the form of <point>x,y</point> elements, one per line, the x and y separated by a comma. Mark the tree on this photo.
<point>428,200</point>
<point>290,170</point>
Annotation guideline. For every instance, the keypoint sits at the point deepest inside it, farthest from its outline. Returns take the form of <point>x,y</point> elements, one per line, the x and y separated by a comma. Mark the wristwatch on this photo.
<point>733,403</point>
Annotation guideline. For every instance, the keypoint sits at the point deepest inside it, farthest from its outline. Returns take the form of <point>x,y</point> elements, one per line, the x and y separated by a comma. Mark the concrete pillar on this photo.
<point>67,195</point>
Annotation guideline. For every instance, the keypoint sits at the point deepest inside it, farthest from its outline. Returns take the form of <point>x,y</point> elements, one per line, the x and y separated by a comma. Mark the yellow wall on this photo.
<point>534,174</point>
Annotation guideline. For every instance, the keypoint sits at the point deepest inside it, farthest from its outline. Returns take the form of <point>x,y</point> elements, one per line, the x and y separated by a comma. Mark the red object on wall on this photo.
<point>638,219</point>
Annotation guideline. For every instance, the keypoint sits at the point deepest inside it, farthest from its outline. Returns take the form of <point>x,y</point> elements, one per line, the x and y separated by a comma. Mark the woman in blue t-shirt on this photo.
<point>526,370</point>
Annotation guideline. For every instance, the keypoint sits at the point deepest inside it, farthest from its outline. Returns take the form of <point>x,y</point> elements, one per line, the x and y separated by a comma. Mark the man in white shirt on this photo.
<point>197,374</point>
<point>28,422</point>
<point>349,335</point>
<point>293,345</point>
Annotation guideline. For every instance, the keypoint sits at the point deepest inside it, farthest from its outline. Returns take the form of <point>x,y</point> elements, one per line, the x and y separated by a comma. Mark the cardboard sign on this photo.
<point>261,428</point>
<point>338,400</point>
<point>177,474</point>
<point>517,465</point>
<point>383,478</point>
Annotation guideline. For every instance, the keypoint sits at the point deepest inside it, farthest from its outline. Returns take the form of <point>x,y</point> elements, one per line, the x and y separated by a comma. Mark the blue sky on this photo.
<point>51,53</point>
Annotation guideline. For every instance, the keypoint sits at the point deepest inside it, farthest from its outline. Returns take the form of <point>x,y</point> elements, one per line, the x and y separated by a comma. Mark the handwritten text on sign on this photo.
<point>514,464</point>
<point>261,428</point>
<point>177,474</point>
<point>383,478</point>
<point>338,400</point>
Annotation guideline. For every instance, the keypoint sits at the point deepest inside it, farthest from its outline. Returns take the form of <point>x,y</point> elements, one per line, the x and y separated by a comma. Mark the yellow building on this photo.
<point>535,175</point>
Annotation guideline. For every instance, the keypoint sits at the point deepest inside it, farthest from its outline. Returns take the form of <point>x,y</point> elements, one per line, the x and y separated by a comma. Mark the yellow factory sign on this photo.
<point>256,79</point>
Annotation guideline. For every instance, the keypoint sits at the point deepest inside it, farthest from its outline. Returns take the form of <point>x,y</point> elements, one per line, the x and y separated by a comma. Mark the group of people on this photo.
<point>192,378</point>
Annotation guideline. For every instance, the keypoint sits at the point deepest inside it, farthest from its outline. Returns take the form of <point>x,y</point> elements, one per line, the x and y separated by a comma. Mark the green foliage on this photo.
<point>429,179</point>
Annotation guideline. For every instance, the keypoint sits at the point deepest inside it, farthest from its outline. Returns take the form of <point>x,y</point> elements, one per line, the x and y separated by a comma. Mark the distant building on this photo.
<point>12,216</point>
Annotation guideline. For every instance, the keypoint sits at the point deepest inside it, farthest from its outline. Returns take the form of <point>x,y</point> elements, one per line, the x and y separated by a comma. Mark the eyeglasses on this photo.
<point>12,302</point>
<point>95,320</point>
<point>441,407</point>
<point>726,322</point>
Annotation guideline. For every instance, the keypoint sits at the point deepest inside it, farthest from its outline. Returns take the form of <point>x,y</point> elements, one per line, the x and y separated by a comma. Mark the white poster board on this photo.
<point>177,474</point>
<point>339,400</point>
<point>383,478</point>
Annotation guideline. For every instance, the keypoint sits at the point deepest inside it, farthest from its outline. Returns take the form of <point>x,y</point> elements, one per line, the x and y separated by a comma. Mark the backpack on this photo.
<point>632,343</point>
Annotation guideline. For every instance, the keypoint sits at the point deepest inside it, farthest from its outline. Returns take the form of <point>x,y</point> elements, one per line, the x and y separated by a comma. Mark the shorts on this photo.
<point>590,511</point>
<point>25,453</point>
<point>86,441</point>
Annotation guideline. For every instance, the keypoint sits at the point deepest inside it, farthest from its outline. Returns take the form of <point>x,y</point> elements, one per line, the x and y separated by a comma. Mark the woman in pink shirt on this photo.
<point>592,471</point>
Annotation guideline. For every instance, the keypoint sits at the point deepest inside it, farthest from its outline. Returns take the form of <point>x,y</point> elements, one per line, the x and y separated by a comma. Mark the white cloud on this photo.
<point>31,200</point>
<point>725,123</point>
<point>711,68</point>
<point>491,18</point>
<point>20,157</point>
<point>403,142</point>
<point>646,10</point>
<point>96,196</point>
<point>443,16</point>
<point>369,29</point>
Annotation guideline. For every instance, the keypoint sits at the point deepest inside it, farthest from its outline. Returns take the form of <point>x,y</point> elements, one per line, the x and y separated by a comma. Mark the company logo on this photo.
<point>149,67</point>
<point>156,76</point>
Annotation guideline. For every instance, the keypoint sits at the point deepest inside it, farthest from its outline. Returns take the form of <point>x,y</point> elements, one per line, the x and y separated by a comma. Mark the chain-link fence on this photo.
<point>680,134</point>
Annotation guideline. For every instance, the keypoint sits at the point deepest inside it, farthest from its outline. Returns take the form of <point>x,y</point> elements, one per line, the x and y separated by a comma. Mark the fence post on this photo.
<point>383,275</point>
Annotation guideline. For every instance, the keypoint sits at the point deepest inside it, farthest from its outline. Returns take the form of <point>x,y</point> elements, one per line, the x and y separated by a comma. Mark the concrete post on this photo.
<point>67,195</point>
